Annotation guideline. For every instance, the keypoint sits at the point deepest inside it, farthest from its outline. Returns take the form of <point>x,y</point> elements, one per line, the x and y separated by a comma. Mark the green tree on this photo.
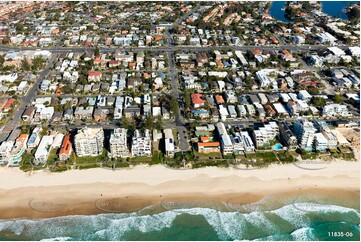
<point>159,123</point>
<point>38,63</point>
<point>25,65</point>
<point>173,106</point>
<point>96,51</point>
<point>318,101</point>
<point>338,98</point>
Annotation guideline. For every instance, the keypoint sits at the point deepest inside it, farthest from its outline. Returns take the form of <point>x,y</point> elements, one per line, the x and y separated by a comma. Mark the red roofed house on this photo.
<point>66,149</point>
<point>8,105</point>
<point>114,63</point>
<point>94,76</point>
<point>197,100</point>
<point>208,147</point>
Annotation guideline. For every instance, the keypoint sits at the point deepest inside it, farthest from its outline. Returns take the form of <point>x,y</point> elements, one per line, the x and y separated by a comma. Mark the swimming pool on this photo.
<point>277,147</point>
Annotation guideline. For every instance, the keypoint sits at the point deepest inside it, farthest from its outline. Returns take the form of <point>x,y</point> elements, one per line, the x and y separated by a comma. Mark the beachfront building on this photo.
<point>265,134</point>
<point>169,142</point>
<point>226,143</point>
<point>118,143</point>
<point>18,150</point>
<point>208,147</point>
<point>286,136</point>
<point>305,133</point>
<point>247,142</point>
<point>35,138</point>
<point>89,141</point>
<point>5,149</point>
<point>320,143</point>
<point>326,131</point>
<point>66,148</point>
<point>42,153</point>
<point>141,143</point>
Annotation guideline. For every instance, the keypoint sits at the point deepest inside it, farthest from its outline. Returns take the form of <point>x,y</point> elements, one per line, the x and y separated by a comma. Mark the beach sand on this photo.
<point>78,192</point>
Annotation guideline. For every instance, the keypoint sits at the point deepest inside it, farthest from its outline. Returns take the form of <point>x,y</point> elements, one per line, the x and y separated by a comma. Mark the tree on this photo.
<point>38,63</point>
<point>25,65</point>
<point>318,101</point>
<point>159,123</point>
<point>149,122</point>
<point>338,98</point>
<point>173,105</point>
<point>96,51</point>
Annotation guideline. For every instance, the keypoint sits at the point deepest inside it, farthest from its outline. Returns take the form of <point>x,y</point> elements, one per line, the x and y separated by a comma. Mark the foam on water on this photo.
<point>227,225</point>
<point>57,239</point>
<point>303,234</point>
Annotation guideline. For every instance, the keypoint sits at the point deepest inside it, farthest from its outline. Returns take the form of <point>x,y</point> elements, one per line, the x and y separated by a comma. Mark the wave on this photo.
<point>292,221</point>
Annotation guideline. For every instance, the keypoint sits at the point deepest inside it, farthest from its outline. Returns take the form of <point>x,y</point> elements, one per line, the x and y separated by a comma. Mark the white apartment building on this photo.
<point>247,142</point>
<point>118,143</point>
<point>320,143</point>
<point>141,143</point>
<point>226,143</point>
<point>335,110</point>
<point>263,135</point>
<point>169,142</point>
<point>305,133</point>
<point>326,131</point>
<point>89,141</point>
<point>42,153</point>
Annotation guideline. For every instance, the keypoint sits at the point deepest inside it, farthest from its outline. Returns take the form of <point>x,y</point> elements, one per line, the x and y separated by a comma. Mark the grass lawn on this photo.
<point>53,157</point>
<point>262,159</point>
<point>211,155</point>
<point>26,162</point>
<point>285,157</point>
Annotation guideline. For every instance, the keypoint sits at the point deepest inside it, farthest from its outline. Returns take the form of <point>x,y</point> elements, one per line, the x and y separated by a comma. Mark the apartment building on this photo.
<point>226,143</point>
<point>89,141</point>
<point>305,133</point>
<point>247,142</point>
<point>320,142</point>
<point>18,150</point>
<point>335,110</point>
<point>169,142</point>
<point>35,138</point>
<point>42,153</point>
<point>265,134</point>
<point>118,143</point>
<point>326,131</point>
<point>141,143</point>
<point>286,136</point>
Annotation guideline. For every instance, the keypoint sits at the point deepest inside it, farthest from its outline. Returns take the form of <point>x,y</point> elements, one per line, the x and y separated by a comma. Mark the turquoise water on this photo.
<point>332,8</point>
<point>277,147</point>
<point>267,219</point>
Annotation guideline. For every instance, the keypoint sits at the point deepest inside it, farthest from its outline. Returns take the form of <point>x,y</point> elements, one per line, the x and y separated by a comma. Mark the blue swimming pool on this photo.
<point>277,147</point>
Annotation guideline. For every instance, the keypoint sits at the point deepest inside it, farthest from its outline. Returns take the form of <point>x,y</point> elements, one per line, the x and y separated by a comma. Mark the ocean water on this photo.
<point>332,8</point>
<point>268,219</point>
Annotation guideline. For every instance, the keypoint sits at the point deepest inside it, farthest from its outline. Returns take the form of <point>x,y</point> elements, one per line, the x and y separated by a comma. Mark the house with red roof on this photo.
<point>8,105</point>
<point>197,100</point>
<point>66,149</point>
<point>94,76</point>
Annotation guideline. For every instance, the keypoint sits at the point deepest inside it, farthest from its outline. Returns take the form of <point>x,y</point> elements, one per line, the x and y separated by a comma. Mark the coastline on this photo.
<point>94,191</point>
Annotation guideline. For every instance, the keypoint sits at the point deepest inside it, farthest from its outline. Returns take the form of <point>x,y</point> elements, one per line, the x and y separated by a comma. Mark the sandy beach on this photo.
<point>93,191</point>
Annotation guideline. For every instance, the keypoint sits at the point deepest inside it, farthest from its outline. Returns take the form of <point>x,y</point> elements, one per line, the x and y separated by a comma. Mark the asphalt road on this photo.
<point>30,95</point>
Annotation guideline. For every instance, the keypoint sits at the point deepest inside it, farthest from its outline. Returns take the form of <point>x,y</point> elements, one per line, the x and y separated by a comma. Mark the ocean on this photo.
<point>306,217</point>
<point>332,8</point>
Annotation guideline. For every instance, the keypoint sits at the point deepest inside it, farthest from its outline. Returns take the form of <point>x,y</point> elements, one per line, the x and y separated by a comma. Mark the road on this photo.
<point>30,95</point>
<point>173,48</point>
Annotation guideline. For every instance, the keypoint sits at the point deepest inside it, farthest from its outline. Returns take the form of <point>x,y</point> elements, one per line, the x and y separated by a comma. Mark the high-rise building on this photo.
<point>141,143</point>
<point>118,143</point>
<point>305,133</point>
<point>89,141</point>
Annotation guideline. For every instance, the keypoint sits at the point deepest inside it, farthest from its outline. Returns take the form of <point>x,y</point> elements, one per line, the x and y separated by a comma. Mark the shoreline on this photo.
<point>155,188</point>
